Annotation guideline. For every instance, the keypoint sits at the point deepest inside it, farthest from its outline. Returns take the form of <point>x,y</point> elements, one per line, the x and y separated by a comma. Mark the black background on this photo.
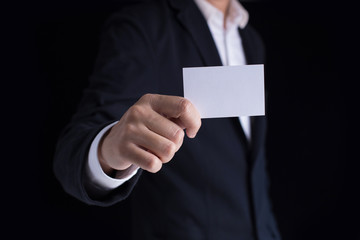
<point>49,49</point>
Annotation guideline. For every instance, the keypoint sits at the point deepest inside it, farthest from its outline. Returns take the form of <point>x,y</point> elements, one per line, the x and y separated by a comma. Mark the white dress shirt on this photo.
<point>229,46</point>
<point>227,40</point>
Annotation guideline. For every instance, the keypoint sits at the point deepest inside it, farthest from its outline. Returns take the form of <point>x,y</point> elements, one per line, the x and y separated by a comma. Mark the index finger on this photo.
<point>179,108</point>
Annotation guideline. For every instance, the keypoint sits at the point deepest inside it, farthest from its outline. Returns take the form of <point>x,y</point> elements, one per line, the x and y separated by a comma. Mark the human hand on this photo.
<point>149,133</point>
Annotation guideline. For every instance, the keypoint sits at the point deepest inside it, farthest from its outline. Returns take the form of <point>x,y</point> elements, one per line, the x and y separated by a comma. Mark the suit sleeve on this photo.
<point>122,74</point>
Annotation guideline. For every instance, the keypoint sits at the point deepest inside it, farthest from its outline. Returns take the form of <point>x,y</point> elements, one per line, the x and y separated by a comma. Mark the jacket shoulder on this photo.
<point>145,11</point>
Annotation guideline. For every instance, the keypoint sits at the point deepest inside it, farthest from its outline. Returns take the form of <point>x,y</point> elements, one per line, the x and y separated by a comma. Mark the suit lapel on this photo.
<point>252,44</point>
<point>193,21</point>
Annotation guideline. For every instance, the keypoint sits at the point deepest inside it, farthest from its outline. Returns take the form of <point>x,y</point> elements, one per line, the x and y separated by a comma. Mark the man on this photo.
<point>127,140</point>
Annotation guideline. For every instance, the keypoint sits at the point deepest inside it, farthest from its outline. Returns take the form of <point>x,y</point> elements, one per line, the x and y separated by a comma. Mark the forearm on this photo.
<point>71,156</point>
<point>109,95</point>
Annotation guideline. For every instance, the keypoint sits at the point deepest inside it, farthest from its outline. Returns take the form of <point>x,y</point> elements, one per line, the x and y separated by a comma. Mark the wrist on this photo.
<point>104,165</point>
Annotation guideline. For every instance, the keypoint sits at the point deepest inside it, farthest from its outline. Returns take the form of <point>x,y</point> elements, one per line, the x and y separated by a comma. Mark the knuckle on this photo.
<point>184,105</point>
<point>136,111</point>
<point>152,164</point>
<point>168,150</point>
<point>129,130</point>
<point>179,135</point>
<point>147,98</point>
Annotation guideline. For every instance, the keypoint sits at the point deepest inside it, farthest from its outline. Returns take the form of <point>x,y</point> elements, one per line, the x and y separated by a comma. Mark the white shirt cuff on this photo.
<point>96,175</point>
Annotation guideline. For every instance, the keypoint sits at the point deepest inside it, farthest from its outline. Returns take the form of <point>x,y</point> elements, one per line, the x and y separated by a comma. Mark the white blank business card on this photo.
<point>226,91</point>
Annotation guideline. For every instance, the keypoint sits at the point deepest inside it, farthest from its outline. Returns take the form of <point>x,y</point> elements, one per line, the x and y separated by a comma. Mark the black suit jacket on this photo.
<point>216,186</point>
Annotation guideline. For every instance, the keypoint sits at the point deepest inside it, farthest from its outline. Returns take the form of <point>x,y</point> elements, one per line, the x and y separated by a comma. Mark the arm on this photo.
<point>147,136</point>
<point>113,88</point>
<point>123,73</point>
<point>149,133</point>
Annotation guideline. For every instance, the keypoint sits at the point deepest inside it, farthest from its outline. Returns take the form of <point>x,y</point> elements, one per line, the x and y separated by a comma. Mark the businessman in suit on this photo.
<point>134,138</point>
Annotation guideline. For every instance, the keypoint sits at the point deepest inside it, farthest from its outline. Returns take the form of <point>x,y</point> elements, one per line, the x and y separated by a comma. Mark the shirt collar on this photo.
<point>237,13</point>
